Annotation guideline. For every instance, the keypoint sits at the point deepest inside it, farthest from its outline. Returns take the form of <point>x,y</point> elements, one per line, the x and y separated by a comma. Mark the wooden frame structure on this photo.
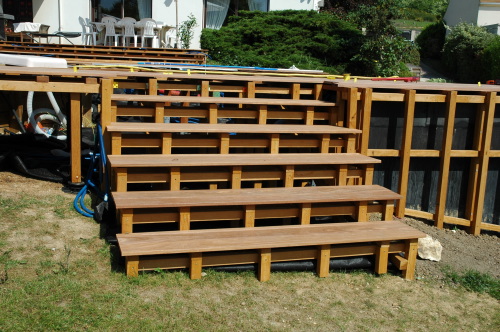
<point>357,99</point>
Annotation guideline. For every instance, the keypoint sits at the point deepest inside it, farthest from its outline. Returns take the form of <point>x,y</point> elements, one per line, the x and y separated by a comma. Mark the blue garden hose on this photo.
<point>97,169</point>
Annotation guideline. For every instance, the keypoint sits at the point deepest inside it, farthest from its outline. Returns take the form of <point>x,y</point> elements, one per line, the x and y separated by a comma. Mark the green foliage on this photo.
<point>186,31</point>
<point>376,18</point>
<point>385,56</point>
<point>490,60</point>
<point>306,39</point>
<point>431,40</point>
<point>462,52</point>
<point>434,7</point>
<point>476,282</point>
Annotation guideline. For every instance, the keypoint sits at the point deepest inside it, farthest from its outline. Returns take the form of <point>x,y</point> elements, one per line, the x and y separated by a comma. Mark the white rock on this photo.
<point>429,248</point>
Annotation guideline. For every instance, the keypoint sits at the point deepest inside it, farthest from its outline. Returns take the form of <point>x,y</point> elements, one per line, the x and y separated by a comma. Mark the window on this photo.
<point>122,8</point>
<point>217,11</point>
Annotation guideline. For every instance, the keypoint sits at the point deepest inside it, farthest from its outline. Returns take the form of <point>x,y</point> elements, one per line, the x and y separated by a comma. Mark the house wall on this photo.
<point>461,11</point>
<point>489,14</point>
<point>61,15</point>
<point>294,4</point>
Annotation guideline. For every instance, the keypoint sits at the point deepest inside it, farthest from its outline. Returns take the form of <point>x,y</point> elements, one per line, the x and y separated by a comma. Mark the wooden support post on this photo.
<point>249,216</point>
<point>159,112</point>
<point>444,169</point>
<point>116,144</point>
<point>175,178</point>
<point>295,91</point>
<point>305,213</point>
<point>132,266</point>
<point>323,261</point>
<point>275,144</point>
<point>153,87</point>
<point>388,210</point>
<point>262,109</point>
<point>236,177</point>
<point>76,138</point>
<point>351,144</point>
<point>250,93</point>
<point>368,177</point>
<point>264,273</point>
<point>127,219</point>
<point>317,91</point>
<point>205,89</point>
<point>382,257</point>
<point>341,104</point>
<point>342,175</point>
<point>289,175</point>
<point>411,248</point>
<point>404,153</point>
<point>362,211</point>
<point>166,143</point>
<point>309,120</point>
<point>224,143</point>
<point>474,164</point>
<point>212,113</point>
<point>195,265</point>
<point>484,158</point>
<point>184,218</point>
<point>366,111</point>
<point>352,108</point>
<point>121,179</point>
<point>325,143</point>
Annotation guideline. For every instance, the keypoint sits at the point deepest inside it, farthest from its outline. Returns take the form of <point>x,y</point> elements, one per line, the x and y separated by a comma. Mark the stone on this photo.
<point>429,248</point>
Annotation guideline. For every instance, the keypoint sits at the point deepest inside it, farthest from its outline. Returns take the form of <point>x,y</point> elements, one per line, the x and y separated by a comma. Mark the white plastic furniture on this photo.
<point>89,36</point>
<point>129,33</point>
<point>148,31</point>
<point>111,33</point>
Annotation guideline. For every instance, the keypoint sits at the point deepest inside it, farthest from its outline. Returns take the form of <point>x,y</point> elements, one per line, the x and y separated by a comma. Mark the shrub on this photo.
<point>431,40</point>
<point>306,39</point>
<point>490,60</point>
<point>385,56</point>
<point>462,52</point>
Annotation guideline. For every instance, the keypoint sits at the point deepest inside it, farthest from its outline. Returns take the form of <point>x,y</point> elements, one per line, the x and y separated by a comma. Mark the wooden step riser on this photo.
<point>246,216</point>
<point>213,114</point>
<point>173,178</point>
<point>226,143</point>
<point>320,254</point>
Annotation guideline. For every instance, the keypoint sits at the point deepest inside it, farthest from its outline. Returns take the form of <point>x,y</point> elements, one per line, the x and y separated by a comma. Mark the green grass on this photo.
<point>410,24</point>
<point>475,281</point>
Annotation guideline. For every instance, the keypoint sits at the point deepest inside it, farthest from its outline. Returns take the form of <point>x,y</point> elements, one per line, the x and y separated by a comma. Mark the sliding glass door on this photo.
<point>122,8</point>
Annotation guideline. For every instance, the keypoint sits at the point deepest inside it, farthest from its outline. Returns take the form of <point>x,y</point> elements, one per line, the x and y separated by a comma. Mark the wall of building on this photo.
<point>61,15</point>
<point>294,4</point>
<point>489,14</point>
<point>461,11</point>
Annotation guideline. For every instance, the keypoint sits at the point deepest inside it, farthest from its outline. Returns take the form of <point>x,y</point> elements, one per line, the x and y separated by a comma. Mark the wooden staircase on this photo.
<point>281,160</point>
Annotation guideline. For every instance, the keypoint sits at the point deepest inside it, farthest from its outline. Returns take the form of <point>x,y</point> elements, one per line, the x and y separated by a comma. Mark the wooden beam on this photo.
<point>404,165</point>
<point>444,169</point>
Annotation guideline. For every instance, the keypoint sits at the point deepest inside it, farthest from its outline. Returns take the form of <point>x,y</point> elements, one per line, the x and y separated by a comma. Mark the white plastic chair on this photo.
<point>129,32</point>
<point>148,31</point>
<point>107,19</point>
<point>111,33</point>
<point>89,36</point>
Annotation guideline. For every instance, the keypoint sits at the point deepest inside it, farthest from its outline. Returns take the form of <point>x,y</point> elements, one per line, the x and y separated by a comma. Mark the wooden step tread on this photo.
<point>260,196</point>
<point>220,100</point>
<point>148,160</point>
<point>228,128</point>
<point>211,240</point>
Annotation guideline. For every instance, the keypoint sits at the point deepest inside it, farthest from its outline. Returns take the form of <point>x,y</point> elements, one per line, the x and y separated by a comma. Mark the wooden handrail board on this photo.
<point>261,196</point>
<point>220,100</point>
<point>239,159</point>
<point>227,128</point>
<point>211,240</point>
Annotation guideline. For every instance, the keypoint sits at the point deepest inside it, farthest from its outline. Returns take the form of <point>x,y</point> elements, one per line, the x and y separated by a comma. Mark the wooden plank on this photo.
<point>444,169</point>
<point>195,265</point>
<point>490,105</point>
<point>212,240</point>
<point>323,261</point>
<point>76,138</point>
<point>411,257</point>
<point>228,128</point>
<point>264,273</point>
<point>404,166</point>
<point>366,105</point>
<point>382,257</point>
<point>264,196</point>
